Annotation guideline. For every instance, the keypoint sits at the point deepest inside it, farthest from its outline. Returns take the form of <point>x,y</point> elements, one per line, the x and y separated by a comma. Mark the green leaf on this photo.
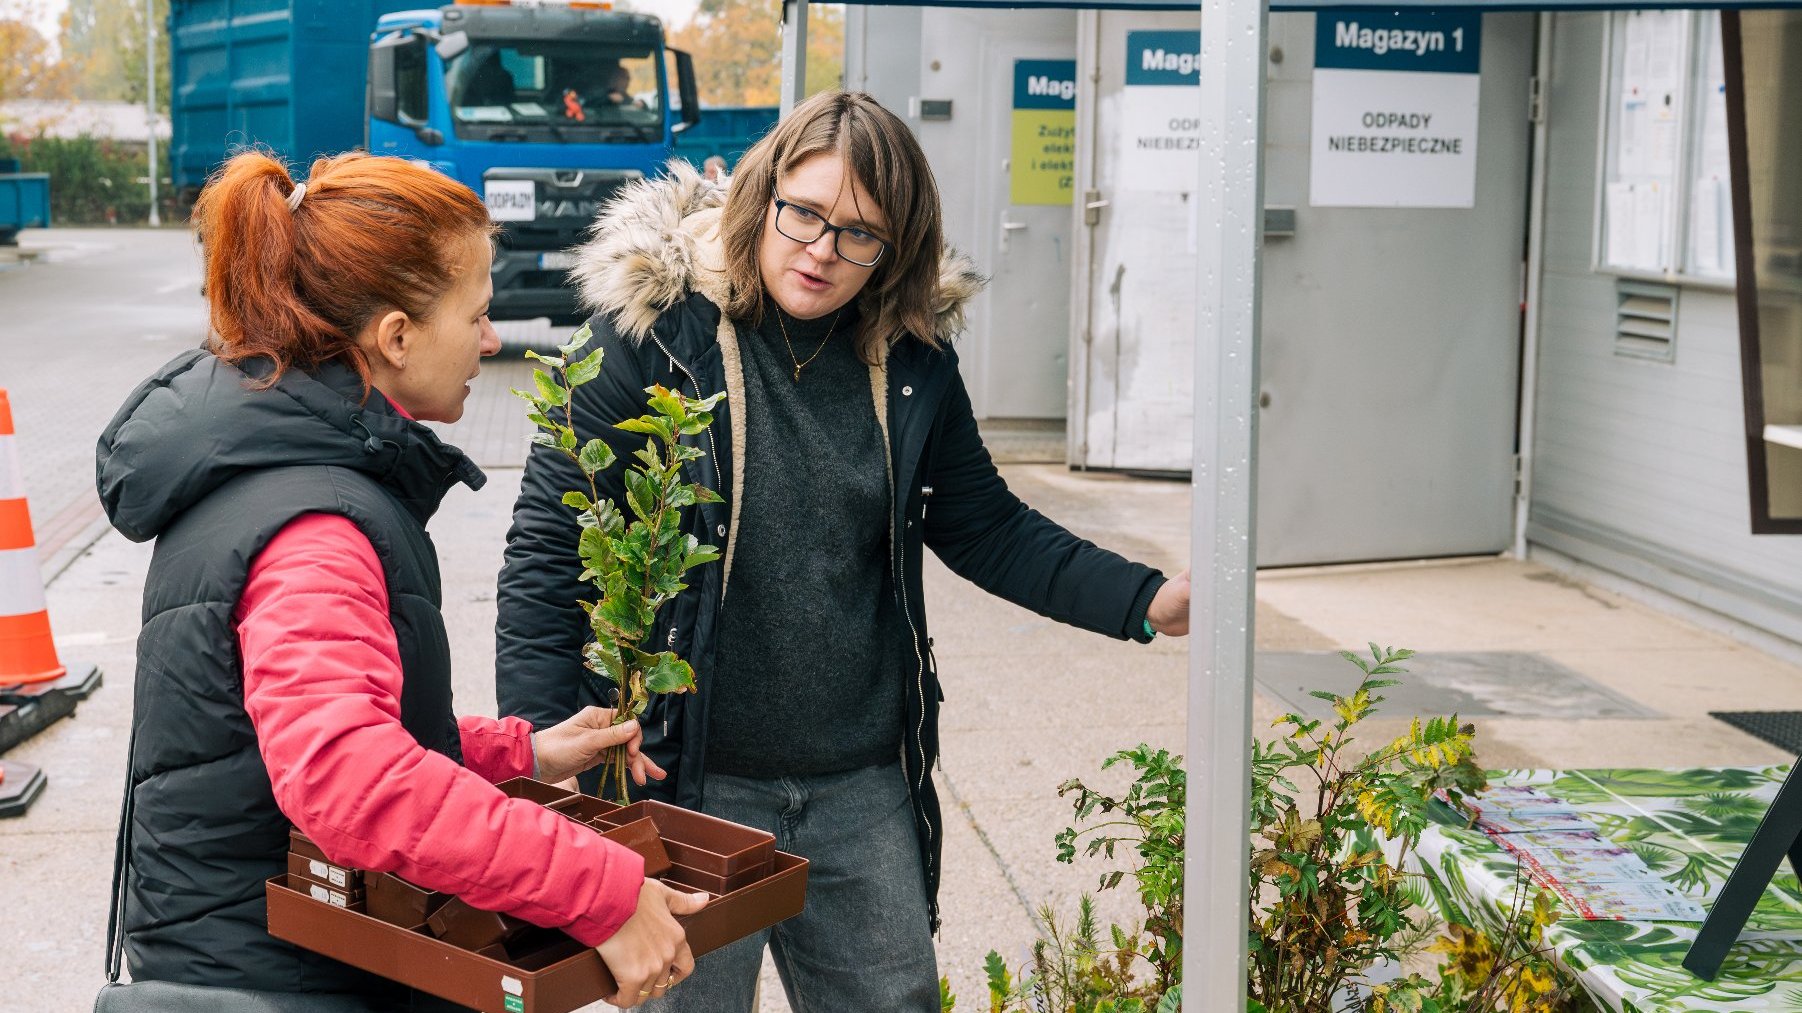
<point>592,547</point>
<point>650,425</point>
<point>1172,1002</point>
<point>666,402</point>
<point>548,389</point>
<point>1000,985</point>
<point>566,437</point>
<point>579,500</point>
<point>596,456</point>
<point>586,369</point>
<point>603,657</point>
<point>577,340</point>
<point>640,496</point>
<point>609,519</point>
<point>549,360</point>
<point>545,440</point>
<point>706,495</point>
<point>669,675</point>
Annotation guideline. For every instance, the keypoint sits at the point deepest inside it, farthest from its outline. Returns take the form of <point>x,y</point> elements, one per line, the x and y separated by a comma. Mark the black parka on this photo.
<point>660,323</point>
<point>213,470</point>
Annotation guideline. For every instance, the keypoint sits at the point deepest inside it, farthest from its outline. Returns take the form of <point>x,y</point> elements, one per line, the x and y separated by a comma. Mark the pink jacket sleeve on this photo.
<point>322,683</point>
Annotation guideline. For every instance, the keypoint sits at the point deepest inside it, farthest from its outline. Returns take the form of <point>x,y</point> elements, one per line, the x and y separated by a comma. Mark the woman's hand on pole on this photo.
<point>1169,611</point>
<point>649,954</point>
<point>567,749</point>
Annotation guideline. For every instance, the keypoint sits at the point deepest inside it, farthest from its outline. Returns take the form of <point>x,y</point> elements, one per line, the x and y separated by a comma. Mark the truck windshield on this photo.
<point>555,91</point>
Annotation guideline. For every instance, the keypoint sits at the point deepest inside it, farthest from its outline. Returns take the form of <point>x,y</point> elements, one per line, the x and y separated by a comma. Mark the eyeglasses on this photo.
<point>804,225</point>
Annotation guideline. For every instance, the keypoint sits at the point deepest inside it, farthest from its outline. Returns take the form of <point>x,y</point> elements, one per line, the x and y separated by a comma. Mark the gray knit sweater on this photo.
<point>809,673</point>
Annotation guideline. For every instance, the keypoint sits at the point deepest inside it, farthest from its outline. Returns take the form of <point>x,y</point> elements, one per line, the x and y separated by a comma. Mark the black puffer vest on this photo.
<point>213,470</point>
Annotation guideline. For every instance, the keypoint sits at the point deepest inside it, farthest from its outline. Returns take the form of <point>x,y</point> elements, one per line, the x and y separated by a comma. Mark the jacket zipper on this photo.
<point>712,448</point>
<point>919,682</point>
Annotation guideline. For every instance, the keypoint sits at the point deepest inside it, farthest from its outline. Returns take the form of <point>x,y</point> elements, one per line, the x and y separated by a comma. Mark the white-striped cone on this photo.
<point>27,654</point>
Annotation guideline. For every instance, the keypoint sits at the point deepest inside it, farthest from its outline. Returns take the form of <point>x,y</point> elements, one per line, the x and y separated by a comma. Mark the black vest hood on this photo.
<point>198,423</point>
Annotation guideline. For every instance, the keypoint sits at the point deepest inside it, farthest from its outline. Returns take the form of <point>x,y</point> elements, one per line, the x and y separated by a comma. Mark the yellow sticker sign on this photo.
<point>1043,157</point>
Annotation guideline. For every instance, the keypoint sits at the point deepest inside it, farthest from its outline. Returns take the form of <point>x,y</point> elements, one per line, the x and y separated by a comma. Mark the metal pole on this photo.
<point>1529,356</point>
<point>150,102</point>
<point>794,54</point>
<point>1230,234</point>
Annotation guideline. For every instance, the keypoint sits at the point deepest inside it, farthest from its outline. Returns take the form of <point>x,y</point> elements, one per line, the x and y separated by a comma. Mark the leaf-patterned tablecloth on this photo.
<point>1690,827</point>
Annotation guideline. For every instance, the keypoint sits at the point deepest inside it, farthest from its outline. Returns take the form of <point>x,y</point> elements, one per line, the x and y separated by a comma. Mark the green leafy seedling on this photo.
<point>636,563</point>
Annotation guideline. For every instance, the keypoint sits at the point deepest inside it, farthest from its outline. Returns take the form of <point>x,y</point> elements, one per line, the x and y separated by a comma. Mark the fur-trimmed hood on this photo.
<point>659,238</point>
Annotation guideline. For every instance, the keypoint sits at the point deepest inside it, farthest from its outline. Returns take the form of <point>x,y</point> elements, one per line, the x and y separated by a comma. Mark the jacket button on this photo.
<point>907,392</point>
<point>720,530</point>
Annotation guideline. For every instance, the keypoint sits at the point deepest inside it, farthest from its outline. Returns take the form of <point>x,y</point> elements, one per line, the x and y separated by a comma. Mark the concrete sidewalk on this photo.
<point>1029,703</point>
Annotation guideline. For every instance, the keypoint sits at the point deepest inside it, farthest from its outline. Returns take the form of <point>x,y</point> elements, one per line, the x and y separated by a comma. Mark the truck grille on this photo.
<point>565,203</point>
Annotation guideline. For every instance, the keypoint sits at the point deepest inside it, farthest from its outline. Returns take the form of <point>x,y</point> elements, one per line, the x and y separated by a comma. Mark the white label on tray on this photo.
<point>331,897</point>
<point>512,986</point>
<point>330,873</point>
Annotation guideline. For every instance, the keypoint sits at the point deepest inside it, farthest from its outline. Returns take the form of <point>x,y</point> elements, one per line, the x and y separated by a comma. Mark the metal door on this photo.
<point>1021,323</point>
<point>1390,336</point>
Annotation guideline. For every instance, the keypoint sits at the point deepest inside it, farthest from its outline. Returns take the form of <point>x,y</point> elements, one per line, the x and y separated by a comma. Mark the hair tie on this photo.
<point>300,190</point>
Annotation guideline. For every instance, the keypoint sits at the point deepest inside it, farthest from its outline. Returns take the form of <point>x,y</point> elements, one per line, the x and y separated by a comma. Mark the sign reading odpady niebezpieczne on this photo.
<point>1160,112</point>
<point>1395,110</point>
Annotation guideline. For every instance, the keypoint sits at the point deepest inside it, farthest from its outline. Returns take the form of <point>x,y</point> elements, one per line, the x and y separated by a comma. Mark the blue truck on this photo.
<point>545,109</point>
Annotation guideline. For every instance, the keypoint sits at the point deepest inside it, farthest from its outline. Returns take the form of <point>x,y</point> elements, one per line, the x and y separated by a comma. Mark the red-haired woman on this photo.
<point>293,666</point>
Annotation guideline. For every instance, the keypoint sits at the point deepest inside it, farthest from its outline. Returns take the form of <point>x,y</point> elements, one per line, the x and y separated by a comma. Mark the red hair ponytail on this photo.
<point>369,234</point>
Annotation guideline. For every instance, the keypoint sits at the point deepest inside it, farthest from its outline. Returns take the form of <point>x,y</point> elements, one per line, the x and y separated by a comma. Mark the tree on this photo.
<point>103,46</point>
<point>737,48</point>
<point>27,70</point>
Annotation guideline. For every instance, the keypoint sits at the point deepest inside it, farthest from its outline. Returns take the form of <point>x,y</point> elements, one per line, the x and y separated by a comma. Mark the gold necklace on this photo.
<point>800,363</point>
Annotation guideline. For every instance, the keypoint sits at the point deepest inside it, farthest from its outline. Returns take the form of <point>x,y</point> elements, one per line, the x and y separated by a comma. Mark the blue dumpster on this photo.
<point>24,204</point>
<point>725,131</point>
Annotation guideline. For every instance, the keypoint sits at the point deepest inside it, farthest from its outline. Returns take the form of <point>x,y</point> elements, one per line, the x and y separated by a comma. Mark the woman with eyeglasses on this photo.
<point>814,288</point>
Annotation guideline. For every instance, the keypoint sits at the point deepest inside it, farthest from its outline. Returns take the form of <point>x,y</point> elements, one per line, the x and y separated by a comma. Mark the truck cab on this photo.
<point>545,110</point>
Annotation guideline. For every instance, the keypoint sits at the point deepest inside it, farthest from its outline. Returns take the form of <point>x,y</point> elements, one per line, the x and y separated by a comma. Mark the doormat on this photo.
<point>1782,729</point>
<point>1465,683</point>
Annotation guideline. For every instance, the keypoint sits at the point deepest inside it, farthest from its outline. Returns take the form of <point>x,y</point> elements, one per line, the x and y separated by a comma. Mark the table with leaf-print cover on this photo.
<point>1690,827</point>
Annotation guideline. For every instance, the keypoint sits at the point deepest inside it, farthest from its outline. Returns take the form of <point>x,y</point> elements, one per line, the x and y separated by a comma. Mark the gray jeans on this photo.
<point>862,942</point>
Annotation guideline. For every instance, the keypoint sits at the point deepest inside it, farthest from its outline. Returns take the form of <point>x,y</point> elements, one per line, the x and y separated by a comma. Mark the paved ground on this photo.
<point>1029,703</point>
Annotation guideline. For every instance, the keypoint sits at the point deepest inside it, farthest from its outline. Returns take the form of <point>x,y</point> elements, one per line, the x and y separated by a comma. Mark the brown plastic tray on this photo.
<point>398,902</point>
<point>301,844</point>
<point>563,976</point>
<point>731,854</point>
<point>736,854</point>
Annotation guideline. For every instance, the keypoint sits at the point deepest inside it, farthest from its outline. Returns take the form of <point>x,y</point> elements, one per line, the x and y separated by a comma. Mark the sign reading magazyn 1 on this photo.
<point>1160,111</point>
<point>1395,110</point>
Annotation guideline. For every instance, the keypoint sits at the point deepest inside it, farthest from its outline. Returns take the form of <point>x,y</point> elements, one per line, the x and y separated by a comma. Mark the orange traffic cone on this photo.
<point>36,689</point>
<point>27,654</point>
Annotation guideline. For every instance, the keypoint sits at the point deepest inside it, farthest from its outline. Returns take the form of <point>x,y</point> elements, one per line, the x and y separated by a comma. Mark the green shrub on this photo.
<point>92,181</point>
